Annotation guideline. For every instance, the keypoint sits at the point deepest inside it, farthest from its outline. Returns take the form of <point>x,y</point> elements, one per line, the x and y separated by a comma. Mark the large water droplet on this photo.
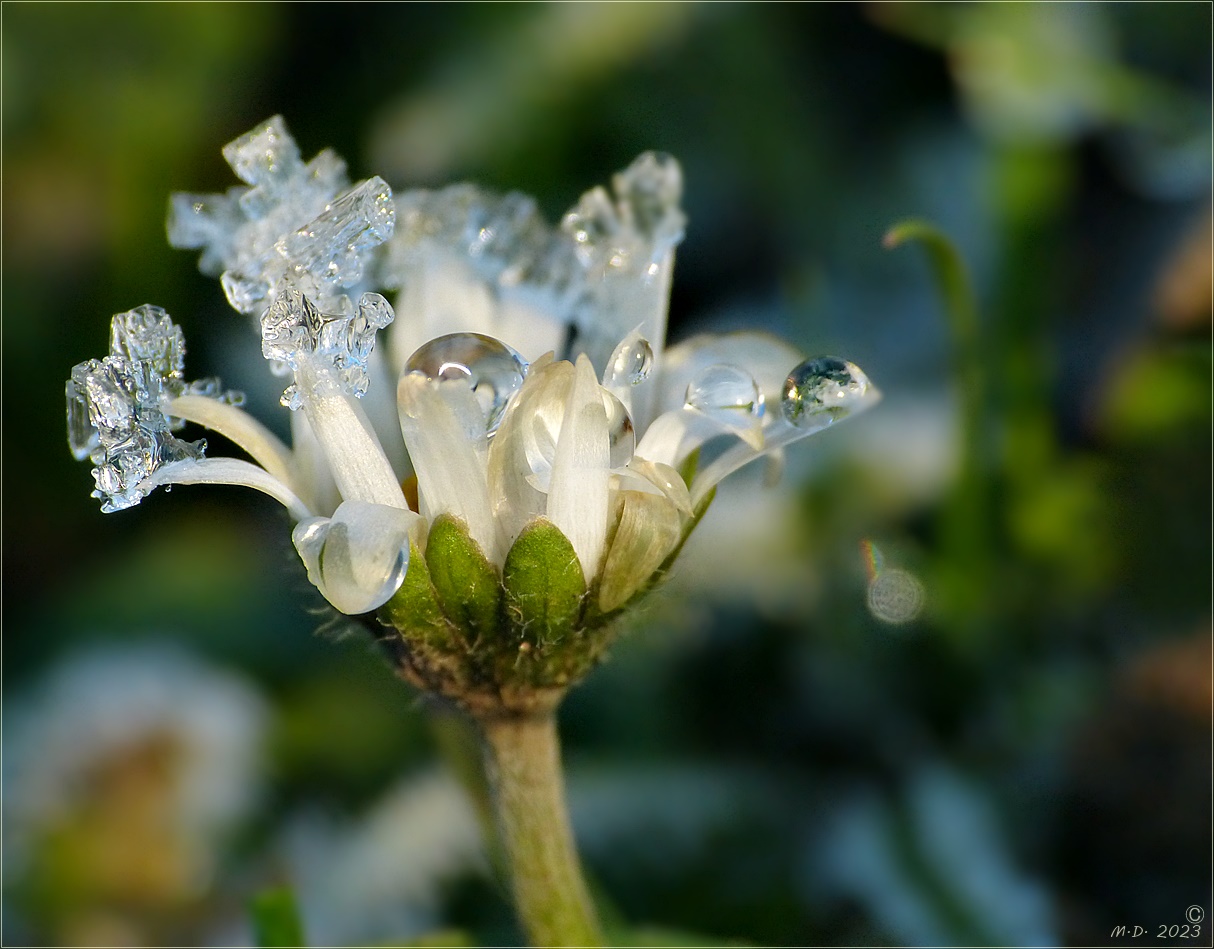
<point>821,391</point>
<point>728,395</point>
<point>620,431</point>
<point>630,363</point>
<point>493,370</point>
<point>357,558</point>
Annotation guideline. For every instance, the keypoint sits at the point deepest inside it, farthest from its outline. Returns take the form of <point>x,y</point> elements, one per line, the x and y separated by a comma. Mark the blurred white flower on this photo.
<point>162,747</point>
<point>351,883</point>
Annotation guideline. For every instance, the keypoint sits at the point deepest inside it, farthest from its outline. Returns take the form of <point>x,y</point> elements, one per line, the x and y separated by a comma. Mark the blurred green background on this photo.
<point>1023,758</point>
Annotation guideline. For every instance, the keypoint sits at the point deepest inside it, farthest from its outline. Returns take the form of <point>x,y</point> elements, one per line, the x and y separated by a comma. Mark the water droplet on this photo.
<point>821,391</point>
<point>621,434</point>
<point>359,557</point>
<point>493,370</point>
<point>728,395</point>
<point>630,363</point>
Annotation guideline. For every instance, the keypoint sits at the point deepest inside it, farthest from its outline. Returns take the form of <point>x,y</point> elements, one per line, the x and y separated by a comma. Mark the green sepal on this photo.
<point>465,582</point>
<point>414,609</point>
<point>544,584</point>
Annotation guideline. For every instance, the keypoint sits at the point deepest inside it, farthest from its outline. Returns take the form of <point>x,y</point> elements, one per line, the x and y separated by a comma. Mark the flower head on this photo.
<point>557,455</point>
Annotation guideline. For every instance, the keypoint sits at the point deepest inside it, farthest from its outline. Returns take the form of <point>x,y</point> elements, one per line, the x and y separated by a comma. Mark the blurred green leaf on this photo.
<point>276,919</point>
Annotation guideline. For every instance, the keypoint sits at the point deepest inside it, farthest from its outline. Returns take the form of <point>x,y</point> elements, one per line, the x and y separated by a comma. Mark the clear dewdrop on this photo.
<point>630,364</point>
<point>822,391</point>
<point>729,396</point>
<point>493,370</point>
<point>621,433</point>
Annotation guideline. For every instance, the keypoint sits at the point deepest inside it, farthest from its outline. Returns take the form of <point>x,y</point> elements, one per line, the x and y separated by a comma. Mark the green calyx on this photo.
<point>513,640</point>
<point>506,641</point>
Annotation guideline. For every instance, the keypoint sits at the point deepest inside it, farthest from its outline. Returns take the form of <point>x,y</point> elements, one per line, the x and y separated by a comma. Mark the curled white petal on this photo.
<point>675,435</point>
<point>440,422</point>
<point>227,471</point>
<point>357,460</point>
<point>517,465</point>
<point>579,497</point>
<point>357,558</point>
<point>767,358</point>
<point>780,433</point>
<point>241,428</point>
<point>655,478</point>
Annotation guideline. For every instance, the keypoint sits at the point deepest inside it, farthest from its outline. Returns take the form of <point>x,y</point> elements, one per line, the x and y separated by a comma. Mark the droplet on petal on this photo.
<point>620,431</point>
<point>630,363</point>
<point>357,558</point>
<point>822,391</point>
<point>728,395</point>
<point>494,371</point>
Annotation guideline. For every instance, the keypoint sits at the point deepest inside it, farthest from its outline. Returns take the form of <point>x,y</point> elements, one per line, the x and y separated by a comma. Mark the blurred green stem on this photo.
<point>524,768</point>
<point>967,518</point>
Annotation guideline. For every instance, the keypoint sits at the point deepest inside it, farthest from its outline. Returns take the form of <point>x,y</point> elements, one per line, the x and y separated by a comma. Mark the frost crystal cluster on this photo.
<point>117,406</point>
<point>518,464</point>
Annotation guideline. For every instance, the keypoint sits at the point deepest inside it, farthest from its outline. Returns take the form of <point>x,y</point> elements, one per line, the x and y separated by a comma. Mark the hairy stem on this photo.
<point>524,768</point>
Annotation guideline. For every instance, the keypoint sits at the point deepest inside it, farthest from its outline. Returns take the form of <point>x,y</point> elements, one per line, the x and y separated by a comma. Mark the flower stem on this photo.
<point>524,768</point>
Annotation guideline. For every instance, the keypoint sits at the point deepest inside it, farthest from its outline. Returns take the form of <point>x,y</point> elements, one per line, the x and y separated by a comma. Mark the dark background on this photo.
<point>1027,761</point>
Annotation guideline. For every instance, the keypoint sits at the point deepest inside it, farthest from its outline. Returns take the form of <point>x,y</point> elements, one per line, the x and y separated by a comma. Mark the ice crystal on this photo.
<point>116,405</point>
<point>296,333</point>
<point>295,220</point>
<point>502,239</point>
<point>487,257</point>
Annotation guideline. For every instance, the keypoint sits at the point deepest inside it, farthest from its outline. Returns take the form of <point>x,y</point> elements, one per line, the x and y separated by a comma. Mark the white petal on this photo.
<point>778,434</point>
<point>357,558</point>
<point>623,299</point>
<point>241,428</point>
<point>526,325</point>
<point>312,470</point>
<point>440,295</point>
<point>519,471</point>
<point>579,497</point>
<point>676,434</point>
<point>353,451</point>
<point>765,357</point>
<point>444,429</point>
<point>228,471</point>
<point>380,405</point>
<point>662,478</point>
